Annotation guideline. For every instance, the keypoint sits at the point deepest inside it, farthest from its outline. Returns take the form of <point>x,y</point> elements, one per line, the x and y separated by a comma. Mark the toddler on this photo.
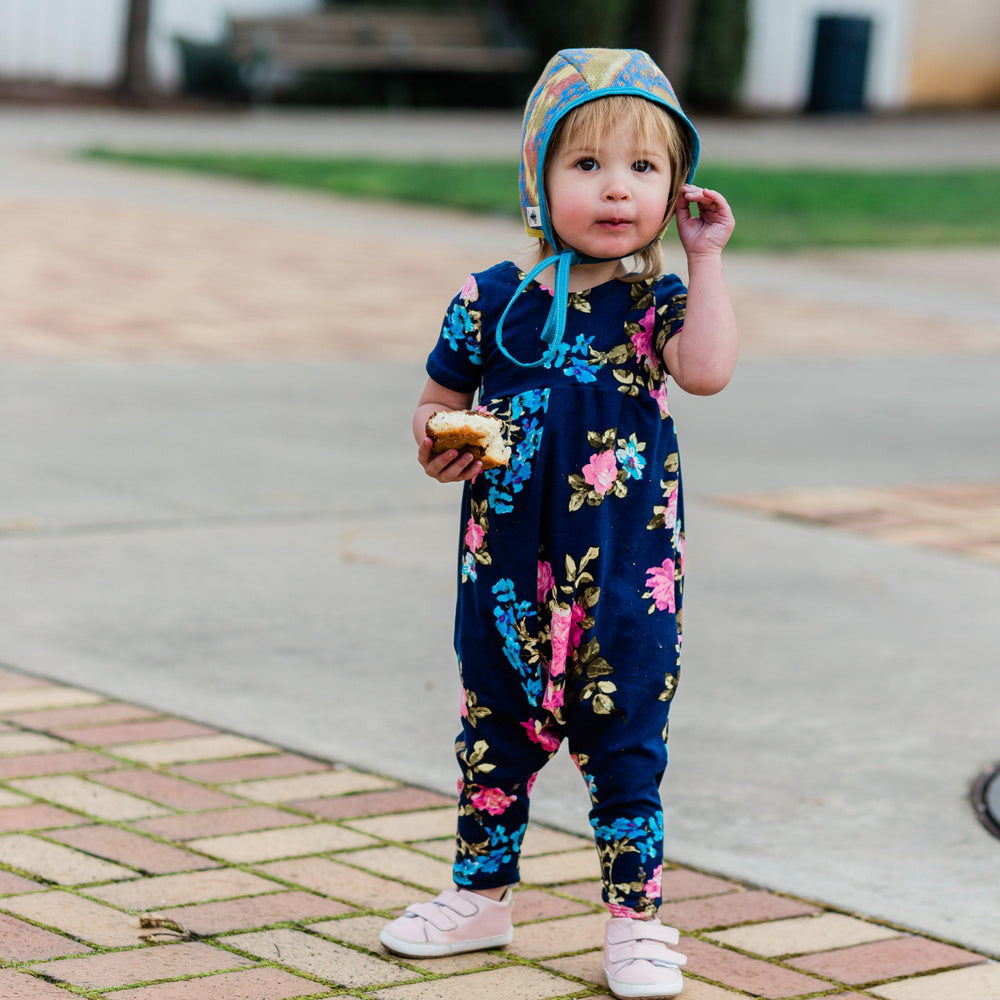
<point>571,566</point>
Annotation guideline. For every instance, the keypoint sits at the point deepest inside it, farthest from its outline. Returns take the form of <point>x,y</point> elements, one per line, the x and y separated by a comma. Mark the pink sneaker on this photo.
<point>638,962</point>
<point>454,922</point>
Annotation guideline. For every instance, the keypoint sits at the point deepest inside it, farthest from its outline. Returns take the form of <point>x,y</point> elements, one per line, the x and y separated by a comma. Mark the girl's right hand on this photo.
<point>450,466</point>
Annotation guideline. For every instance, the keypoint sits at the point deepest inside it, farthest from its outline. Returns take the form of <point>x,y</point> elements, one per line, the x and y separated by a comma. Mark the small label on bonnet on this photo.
<point>533,215</point>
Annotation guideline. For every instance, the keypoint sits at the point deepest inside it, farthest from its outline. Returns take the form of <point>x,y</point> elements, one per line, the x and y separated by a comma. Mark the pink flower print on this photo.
<point>463,708</point>
<point>474,535</point>
<point>601,471</point>
<point>492,800</point>
<point>660,395</point>
<point>617,910</point>
<point>643,341</point>
<point>562,620</point>
<point>577,615</point>
<point>470,290</point>
<point>661,580</point>
<point>542,735</point>
<point>529,784</point>
<point>670,511</point>
<point>554,697</point>
<point>546,581</point>
<point>653,888</point>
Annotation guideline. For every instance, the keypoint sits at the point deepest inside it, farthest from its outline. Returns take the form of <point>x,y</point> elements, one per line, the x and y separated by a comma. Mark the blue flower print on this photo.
<point>508,481</point>
<point>581,371</point>
<point>469,567</point>
<point>509,613</point>
<point>504,845</point>
<point>644,833</point>
<point>459,330</point>
<point>528,402</point>
<point>629,458</point>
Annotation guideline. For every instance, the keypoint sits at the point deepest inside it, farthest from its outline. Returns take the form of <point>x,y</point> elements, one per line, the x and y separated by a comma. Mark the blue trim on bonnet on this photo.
<point>543,146</point>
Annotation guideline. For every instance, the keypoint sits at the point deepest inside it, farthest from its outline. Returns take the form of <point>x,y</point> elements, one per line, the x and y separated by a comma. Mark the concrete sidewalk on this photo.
<point>189,525</point>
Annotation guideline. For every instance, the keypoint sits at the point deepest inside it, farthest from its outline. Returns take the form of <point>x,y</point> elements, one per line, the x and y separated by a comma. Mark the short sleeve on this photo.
<point>456,361</point>
<point>671,307</point>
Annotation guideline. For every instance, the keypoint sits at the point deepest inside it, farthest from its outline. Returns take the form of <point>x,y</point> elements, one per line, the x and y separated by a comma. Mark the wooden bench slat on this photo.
<point>381,39</point>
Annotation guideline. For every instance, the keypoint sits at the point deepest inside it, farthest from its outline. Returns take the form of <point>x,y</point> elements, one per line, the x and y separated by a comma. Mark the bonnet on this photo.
<point>573,77</point>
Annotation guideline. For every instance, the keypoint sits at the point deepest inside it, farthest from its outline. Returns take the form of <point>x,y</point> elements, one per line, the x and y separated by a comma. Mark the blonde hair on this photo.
<point>591,123</point>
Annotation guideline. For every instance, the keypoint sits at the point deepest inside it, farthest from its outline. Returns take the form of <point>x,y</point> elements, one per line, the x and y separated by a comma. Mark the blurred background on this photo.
<point>737,55</point>
<point>229,231</point>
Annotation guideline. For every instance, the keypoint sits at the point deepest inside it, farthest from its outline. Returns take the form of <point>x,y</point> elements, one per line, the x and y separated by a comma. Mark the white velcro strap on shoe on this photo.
<point>653,930</point>
<point>457,901</point>
<point>440,912</point>
<point>656,952</point>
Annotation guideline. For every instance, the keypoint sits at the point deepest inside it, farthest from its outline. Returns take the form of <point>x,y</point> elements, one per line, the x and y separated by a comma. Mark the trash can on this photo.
<point>208,69</point>
<point>840,64</point>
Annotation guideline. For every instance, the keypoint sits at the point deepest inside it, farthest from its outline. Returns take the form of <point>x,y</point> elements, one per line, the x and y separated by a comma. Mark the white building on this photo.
<point>921,53</point>
<point>80,41</point>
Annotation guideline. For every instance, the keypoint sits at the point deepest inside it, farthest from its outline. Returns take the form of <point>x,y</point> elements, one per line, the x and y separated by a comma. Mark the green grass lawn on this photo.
<point>775,209</point>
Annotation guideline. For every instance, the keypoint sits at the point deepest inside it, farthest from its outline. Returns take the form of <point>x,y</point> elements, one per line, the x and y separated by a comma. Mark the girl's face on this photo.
<point>609,201</point>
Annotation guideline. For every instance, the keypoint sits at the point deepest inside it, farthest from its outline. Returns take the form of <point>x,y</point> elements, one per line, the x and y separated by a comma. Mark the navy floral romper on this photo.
<point>571,571</point>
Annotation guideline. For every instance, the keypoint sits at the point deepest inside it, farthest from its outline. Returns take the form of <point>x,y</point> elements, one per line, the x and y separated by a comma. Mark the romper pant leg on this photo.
<point>622,757</point>
<point>504,742</point>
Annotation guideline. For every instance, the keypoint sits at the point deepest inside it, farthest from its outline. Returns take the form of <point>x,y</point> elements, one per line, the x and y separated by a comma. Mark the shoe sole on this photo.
<point>438,949</point>
<point>632,991</point>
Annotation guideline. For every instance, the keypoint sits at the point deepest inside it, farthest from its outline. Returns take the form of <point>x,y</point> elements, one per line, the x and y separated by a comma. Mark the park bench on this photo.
<point>275,51</point>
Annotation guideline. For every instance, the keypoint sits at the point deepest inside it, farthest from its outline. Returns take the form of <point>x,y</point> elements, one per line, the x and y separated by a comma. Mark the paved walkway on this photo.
<point>146,857</point>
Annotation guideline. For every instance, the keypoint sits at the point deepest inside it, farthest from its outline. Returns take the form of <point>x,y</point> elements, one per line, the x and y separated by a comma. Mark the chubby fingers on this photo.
<point>705,198</point>
<point>449,466</point>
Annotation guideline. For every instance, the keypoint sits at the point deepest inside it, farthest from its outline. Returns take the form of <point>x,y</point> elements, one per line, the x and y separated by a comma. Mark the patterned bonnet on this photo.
<point>571,78</point>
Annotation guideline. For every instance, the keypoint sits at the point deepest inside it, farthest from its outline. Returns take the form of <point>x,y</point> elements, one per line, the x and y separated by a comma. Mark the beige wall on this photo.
<point>956,52</point>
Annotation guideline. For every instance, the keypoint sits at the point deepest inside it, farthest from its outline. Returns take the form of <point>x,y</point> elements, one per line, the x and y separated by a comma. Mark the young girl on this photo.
<point>572,556</point>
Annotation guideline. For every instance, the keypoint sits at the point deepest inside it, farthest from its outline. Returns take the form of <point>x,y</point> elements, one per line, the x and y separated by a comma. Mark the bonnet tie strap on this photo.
<point>555,323</point>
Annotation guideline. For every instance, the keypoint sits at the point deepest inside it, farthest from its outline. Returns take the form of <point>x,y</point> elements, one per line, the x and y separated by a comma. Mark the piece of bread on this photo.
<point>481,434</point>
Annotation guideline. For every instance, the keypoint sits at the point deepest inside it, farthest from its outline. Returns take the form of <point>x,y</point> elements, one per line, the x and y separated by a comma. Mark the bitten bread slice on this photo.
<point>480,434</point>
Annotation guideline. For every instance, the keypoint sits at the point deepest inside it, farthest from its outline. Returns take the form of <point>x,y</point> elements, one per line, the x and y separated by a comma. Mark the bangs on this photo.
<point>655,128</point>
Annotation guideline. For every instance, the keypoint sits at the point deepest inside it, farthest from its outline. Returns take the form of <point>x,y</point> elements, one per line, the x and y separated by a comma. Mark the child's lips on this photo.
<point>614,224</point>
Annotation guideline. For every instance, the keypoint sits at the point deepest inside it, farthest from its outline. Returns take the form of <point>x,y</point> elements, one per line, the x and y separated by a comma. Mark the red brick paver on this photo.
<point>759,978</point>
<point>253,911</point>
<point>394,800</point>
<point>142,853</point>
<point>19,986</point>
<point>123,968</point>
<point>732,908</point>
<point>218,772</point>
<point>957,518</point>
<point>24,942</point>
<point>36,816</point>
<point>307,861</point>
<point>255,984</point>
<point>168,791</point>
<point>190,826</point>
<point>868,963</point>
<point>71,762</point>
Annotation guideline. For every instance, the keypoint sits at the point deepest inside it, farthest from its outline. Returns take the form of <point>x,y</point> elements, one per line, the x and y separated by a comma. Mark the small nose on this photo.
<point>616,188</point>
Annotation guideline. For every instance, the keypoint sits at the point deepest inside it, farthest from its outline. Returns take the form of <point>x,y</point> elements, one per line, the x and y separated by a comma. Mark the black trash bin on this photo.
<point>840,64</point>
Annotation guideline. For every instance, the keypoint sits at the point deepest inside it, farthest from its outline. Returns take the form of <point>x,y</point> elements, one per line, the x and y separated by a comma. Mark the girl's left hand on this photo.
<point>710,229</point>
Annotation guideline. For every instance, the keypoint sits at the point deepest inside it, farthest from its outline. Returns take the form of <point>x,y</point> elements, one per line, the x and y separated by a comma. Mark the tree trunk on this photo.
<point>670,34</point>
<point>134,83</point>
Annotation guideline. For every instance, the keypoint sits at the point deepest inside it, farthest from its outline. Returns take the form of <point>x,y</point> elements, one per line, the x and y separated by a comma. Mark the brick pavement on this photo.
<point>963,519</point>
<point>143,857</point>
